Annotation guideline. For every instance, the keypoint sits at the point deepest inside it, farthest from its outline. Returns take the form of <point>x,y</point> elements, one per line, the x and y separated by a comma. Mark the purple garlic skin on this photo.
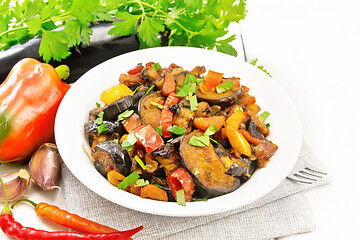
<point>16,184</point>
<point>45,166</point>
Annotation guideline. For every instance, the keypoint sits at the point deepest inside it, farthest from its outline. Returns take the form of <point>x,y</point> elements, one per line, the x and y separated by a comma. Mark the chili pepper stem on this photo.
<point>63,71</point>
<point>6,208</point>
<point>24,200</point>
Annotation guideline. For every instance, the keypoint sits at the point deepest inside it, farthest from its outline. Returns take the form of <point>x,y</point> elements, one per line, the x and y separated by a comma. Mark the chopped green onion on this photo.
<point>159,130</point>
<point>170,140</point>
<point>196,172</point>
<point>141,182</point>
<point>180,197</point>
<point>177,69</point>
<point>128,180</point>
<point>199,199</point>
<point>149,90</point>
<point>158,185</point>
<point>267,125</point>
<point>211,130</point>
<point>116,141</point>
<point>98,104</point>
<point>102,128</point>
<point>264,116</point>
<point>157,105</point>
<point>136,89</point>
<point>140,162</point>
<point>99,120</point>
<point>199,80</point>
<point>176,130</point>
<point>216,142</point>
<point>130,140</point>
<point>238,109</point>
<point>185,89</point>
<point>125,115</point>
<point>156,66</point>
<point>193,102</point>
<point>202,141</point>
<point>223,87</point>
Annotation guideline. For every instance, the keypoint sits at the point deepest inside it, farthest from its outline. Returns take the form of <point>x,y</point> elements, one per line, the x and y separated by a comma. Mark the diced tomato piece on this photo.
<point>148,137</point>
<point>180,179</point>
<point>135,70</point>
<point>149,64</point>
<point>166,119</point>
<point>131,123</point>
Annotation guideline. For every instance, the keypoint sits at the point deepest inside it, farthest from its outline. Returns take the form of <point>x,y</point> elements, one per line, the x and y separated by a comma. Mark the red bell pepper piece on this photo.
<point>166,119</point>
<point>212,79</point>
<point>131,123</point>
<point>135,70</point>
<point>149,64</point>
<point>180,179</point>
<point>148,137</point>
<point>30,97</point>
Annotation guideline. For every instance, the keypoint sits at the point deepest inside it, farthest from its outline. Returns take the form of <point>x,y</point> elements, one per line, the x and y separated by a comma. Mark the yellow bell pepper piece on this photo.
<point>236,139</point>
<point>115,93</point>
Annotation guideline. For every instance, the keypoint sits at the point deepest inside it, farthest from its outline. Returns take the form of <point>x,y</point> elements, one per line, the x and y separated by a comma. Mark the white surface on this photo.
<point>312,49</point>
<point>284,121</point>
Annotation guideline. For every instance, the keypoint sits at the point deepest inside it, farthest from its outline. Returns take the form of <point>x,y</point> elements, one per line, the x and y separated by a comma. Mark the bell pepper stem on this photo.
<point>63,71</point>
<point>6,208</point>
<point>24,200</point>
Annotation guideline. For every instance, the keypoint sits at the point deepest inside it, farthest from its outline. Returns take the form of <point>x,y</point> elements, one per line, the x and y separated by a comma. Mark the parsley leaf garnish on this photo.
<point>225,86</point>
<point>201,141</point>
<point>99,119</point>
<point>129,142</point>
<point>141,182</point>
<point>159,130</point>
<point>102,128</point>
<point>176,130</point>
<point>211,130</point>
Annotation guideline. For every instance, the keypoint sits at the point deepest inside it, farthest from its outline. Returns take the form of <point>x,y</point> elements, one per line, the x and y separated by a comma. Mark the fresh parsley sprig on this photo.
<point>65,24</point>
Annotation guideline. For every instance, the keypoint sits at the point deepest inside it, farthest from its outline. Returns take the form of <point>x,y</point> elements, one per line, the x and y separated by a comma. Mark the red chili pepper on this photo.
<point>180,179</point>
<point>14,229</point>
<point>135,70</point>
<point>166,119</point>
<point>30,97</point>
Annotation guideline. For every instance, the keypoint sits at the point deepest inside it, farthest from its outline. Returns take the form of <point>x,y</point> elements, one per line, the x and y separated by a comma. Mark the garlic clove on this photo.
<point>16,184</point>
<point>45,166</point>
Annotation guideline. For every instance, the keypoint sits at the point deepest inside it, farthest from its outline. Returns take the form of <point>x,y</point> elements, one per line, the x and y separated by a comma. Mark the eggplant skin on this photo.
<point>112,110</point>
<point>109,156</point>
<point>224,99</point>
<point>211,179</point>
<point>92,127</point>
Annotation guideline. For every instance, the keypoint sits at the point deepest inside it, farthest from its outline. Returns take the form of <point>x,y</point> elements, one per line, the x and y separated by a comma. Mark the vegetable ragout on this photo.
<point>171,134</point>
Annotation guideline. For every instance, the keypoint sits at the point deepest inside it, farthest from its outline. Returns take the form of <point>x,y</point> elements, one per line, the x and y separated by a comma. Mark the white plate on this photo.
<point>82,96</point>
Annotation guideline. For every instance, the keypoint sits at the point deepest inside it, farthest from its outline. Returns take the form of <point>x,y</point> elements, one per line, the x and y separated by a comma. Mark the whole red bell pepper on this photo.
<point>29,99</point>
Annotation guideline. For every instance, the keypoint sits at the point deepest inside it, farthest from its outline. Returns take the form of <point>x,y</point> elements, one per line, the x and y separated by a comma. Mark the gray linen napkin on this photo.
<point>284,211</point>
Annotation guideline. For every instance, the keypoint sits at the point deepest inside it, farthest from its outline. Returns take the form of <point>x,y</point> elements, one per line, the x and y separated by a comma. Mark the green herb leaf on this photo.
<point>156,66</point>
<point>193,102</point>
<point>116,141</point>
<point>159,186</point>
<point>136,89</point>
<point>149,90</point>
<point>267,125</point>
<point>102,128</point>
<point>216,142</point>
<point>199,199</point>
<point>140,162</point>
<point>126,25</point>
<point>157,105</point>
<point>264,116</point>
<point>180,197</point>
<point>99,119</point>
<point>148,31</point>
<point>239,109</point>
<point>176,130</point>
<point>254,63</point>
<point>202,141</point>
<point>186,89</point>
<point>189,78</point>
<point>125,115</point>
<point>225,86</point>
<point>54,45</point>
<point>141,182</point>
<point>159,130</point>
<point>196,172</point>
<point>199,80</point>
<point>98,105</point>
<point>211,130</point>
<point>128,180</point>
<point>129,142</point>
<point>170,140</point>
<point>177,69</point>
